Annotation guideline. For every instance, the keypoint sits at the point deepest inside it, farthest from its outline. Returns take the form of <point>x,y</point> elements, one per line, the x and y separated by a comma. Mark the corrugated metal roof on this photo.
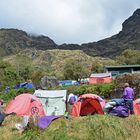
<point>123,66</point>
<point>100,75</point>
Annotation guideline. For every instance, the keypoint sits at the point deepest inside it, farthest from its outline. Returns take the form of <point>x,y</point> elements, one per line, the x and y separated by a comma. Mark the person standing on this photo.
<point>128,96</point>
<point>72,98</point>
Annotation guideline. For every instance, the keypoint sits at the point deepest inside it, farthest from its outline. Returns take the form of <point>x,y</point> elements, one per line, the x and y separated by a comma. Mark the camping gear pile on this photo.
<point>117,107</point>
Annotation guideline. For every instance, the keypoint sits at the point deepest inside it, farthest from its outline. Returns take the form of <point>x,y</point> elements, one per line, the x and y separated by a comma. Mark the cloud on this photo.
<point>67,21</point>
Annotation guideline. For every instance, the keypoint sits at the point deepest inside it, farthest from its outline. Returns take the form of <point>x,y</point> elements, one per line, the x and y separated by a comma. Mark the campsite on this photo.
<point>46,104</point>
<point>69,71</point>
<point>79,125</point>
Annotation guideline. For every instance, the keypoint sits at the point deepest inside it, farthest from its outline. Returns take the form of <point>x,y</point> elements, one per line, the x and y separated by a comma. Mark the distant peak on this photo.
<point>132,23</point>
<point>137,12</point>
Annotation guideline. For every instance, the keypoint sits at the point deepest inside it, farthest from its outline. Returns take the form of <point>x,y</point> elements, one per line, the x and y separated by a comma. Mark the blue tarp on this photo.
<point>68,83</point>
<point>24,85</point>
<point>65,82</point>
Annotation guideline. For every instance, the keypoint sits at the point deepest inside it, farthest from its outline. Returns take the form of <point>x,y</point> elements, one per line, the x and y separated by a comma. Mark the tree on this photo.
<point>74,70</point>
<point>129,57</point>
<point>23,64</point>
<point>8,74</point>
<point>97,67</point>
<point>36,78</point>
<point>99,64</point>
<point>25,73</point>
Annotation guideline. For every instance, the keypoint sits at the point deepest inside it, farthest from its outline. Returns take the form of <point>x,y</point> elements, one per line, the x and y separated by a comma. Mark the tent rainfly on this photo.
<point>54,101</point>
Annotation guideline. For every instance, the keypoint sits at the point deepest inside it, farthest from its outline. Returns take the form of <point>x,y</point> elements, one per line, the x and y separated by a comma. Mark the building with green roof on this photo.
<point>122,69</point>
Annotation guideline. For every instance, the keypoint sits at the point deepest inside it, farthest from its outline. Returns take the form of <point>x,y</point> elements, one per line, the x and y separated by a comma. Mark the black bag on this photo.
<point>2,117</point>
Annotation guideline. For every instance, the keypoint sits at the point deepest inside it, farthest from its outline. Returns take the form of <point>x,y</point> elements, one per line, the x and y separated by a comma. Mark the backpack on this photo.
<point>72,100</point>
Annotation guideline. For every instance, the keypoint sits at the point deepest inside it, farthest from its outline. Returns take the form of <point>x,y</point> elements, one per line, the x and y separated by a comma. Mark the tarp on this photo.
<point>65,82</point>
<point>54,101</point>
<point>88,104</point>
<point>45,121</point>
<point>68,82</point>
<point>25,105</point>
<point>25,85</point>
<point>100,78</point>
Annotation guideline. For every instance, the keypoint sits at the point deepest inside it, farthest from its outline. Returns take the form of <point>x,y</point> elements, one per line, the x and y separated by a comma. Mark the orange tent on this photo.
<point>136,105</point>
<point>98,78</point>
<point>88,104</point>
<point>25,105</point>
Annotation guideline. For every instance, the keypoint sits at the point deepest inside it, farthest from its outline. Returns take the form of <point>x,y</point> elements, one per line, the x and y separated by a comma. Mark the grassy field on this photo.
<point>97,127</point>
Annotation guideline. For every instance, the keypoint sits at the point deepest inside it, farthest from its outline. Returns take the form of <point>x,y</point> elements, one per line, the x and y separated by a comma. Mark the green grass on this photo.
<point>97,127</point>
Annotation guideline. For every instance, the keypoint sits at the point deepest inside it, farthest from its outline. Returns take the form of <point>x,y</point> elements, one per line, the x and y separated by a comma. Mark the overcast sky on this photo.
<point>67,21</point>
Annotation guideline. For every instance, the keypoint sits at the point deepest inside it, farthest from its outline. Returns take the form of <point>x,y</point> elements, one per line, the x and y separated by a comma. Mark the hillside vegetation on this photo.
<point>64,64</point>
<point>34,64</point>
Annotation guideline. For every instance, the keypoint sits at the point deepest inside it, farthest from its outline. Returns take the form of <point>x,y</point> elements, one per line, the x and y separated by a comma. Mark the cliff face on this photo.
<point>12,40</point>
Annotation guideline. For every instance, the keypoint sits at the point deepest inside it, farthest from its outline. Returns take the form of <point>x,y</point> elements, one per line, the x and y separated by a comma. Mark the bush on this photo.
<point>104,89</point>
<point>99,89</point>
<point>14,92</point>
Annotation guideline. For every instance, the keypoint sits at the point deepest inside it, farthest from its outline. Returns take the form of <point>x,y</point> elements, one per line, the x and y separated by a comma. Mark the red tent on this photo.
<point>136,105</point>
<point>25,105</point>
<point>98,78</point>
<point>88,104</point>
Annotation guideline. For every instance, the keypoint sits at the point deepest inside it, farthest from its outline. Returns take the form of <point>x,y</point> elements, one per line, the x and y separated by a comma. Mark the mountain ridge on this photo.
<point>14,40</point>
<point>127,38</point>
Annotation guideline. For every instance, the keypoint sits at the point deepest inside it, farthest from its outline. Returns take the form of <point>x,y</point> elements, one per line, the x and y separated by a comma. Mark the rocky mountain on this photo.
<point>128,38</point>
<point>13,40</point>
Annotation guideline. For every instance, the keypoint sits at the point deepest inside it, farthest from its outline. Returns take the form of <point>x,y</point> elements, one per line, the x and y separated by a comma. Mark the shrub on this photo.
<point>104,89</point>
<point>14,92</point>
<point>99,89</point>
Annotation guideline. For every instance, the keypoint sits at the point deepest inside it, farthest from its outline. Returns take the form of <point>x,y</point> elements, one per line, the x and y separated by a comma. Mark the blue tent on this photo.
<point>25,85</point>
